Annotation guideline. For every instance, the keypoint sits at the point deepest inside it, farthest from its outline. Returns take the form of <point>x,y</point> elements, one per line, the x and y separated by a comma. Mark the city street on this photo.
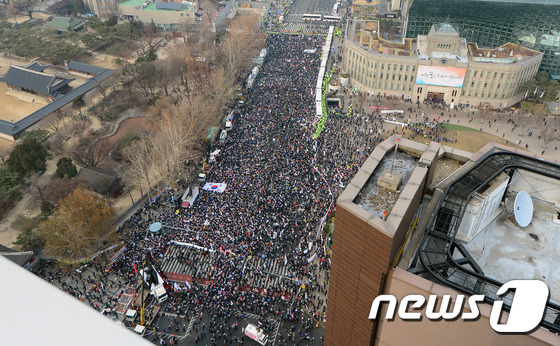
<point>301,7</point>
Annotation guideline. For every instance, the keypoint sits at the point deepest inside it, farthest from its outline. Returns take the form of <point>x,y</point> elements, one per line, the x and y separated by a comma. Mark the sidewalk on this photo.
<point>491,122</point>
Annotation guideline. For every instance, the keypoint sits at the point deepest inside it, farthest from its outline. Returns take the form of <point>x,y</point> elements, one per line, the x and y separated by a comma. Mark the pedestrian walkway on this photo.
<point>301,28</point>
<point>268,273</point>
<point>526,133</point>
<point>182,263</point>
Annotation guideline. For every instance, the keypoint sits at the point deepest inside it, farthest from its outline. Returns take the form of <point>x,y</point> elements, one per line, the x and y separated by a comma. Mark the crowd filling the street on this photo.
<point>265,260</point>
<point>281,187</point>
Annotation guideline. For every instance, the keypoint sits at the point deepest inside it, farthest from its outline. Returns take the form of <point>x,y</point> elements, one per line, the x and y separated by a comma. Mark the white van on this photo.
<point>257,334</point>
<point>228,125</point>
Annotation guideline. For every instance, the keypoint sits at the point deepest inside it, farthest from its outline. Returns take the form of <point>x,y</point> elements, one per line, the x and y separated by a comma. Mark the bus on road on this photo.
<point>331,18</point>
<point>309,16</point>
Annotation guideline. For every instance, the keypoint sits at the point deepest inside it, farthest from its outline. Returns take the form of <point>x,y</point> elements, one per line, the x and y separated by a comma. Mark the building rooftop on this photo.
<point>39,82</point>
<point>505,251</point>
<point>37,67</point>
<point>158,6</point>
<point>505,54</point>
<point>366,35</point>
<point>12,129</point>
<point>55,317</point>
<point>471,241</point>
<point>65,23</point>
<point>446,29</point>
<point>85,68</point>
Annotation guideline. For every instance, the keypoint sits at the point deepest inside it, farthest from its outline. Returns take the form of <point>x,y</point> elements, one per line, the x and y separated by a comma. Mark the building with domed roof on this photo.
<point>439,67</point>
<point>530,23</point>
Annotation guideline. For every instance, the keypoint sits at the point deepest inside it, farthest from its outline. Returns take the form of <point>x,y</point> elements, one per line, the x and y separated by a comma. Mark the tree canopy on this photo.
<point>28,156</point>
<point>81,226</point>
<point>65,168</point>
<point>10,183</point>
<point>540,87</point>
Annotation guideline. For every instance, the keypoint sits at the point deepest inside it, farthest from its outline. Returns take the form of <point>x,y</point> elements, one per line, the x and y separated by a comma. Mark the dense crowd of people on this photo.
<point>280,184</point>
<point>281,187</point>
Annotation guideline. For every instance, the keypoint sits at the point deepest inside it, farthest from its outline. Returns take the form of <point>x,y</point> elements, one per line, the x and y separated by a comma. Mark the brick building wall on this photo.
<point>360,261</point>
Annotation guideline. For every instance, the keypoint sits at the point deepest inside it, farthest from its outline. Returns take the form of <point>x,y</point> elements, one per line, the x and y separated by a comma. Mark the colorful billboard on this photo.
<point>439,75</point>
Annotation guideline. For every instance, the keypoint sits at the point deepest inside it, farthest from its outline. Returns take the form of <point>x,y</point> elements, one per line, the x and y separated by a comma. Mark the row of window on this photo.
<point>483,83</point>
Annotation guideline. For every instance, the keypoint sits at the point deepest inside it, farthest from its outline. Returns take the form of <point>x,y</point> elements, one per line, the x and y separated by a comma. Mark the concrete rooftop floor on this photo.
<point>506,251</point>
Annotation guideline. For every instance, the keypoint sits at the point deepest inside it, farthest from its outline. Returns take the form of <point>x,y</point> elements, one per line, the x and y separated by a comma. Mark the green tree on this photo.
<point>28,156</point>
<point>89,39</point>
<point>551,90</point>
<point>80,227</point>
<point>112,20</point>
<point>151,56</point>
<point>529,87</point>
<point>10,182</point>
<point>78,102</point>
<point>39,135</point>
<point>542,78</point>
<point>65,168</point>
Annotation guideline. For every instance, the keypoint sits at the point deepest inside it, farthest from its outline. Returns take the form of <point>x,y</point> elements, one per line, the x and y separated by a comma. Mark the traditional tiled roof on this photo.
<point>37,67</point>
<point>13,129</point>
<point>81,67</point>
<point>41,83</point>
<point>66,23</point>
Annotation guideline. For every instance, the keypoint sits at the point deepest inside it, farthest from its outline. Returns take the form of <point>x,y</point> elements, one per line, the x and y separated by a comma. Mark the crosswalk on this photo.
<point>187,261</point>
<point>267,272</point>
<point>300,28</point>
<point>182,263</point>
<point>294,17</point>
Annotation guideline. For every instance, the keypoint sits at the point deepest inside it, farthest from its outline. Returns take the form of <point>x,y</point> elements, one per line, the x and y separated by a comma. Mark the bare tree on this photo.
<point>25,5</point>
<point>99,111</point>
<point>140,165</point>
<point>524,120</point>
<point>4,153</point>
<point>35,187</point>
<point>549,130</point>
<point>240,44</point>
<point>90,152</point>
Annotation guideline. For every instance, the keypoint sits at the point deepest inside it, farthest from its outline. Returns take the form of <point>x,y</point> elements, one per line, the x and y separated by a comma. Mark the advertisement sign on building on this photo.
<point>444,76</point>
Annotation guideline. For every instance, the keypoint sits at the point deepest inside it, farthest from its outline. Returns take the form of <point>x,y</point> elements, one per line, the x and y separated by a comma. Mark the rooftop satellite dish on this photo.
<point>523,209</point>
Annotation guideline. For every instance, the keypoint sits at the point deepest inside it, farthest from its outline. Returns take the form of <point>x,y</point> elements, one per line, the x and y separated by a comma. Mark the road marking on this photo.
<point>193,320</point>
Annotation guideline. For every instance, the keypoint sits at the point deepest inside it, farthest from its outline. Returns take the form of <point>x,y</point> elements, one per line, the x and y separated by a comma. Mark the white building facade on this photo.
<point>440,67</point>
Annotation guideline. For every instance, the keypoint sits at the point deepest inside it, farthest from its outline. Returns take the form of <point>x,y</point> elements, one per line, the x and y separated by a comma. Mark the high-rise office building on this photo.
<point>533,24</point>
